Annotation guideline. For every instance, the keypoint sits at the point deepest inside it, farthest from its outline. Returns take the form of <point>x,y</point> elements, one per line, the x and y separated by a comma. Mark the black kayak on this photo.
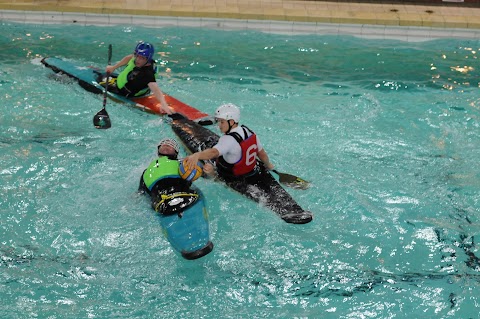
<point>263,188</point>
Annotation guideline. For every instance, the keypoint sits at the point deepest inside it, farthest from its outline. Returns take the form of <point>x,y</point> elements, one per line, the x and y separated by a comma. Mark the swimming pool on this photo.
<point>387,132</point>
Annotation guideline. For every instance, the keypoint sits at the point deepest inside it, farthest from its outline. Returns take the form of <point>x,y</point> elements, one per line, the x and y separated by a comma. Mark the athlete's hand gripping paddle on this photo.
<point>292,180</point>
<point>101,120</point>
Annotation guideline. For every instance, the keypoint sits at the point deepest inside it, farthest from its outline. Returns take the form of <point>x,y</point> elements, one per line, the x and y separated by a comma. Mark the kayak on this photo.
<point>88,78</point>
<point>264,189</point>
<point>188,231</point>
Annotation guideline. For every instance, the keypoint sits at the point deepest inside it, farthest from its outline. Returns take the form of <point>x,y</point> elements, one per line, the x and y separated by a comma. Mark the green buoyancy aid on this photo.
<point>163,167</point>
<point>122,77</point>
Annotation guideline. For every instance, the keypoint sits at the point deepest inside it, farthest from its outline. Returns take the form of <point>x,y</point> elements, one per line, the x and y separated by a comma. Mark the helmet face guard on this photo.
<point>145,49</point>
<point>169,142</point>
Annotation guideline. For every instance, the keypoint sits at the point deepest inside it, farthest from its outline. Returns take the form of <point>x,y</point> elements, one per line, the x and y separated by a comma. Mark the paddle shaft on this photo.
<point>108,77</point>
<point>101,120</point>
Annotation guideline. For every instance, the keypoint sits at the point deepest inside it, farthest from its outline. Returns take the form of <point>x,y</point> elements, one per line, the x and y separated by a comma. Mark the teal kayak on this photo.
<point>188,231</point>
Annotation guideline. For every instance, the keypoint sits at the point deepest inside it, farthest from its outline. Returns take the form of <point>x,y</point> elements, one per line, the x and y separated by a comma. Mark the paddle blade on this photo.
<point>101,120</point>
<point>292,181</point>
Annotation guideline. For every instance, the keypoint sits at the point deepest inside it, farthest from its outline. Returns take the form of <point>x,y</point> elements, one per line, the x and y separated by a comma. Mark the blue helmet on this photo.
<point>145,49</point>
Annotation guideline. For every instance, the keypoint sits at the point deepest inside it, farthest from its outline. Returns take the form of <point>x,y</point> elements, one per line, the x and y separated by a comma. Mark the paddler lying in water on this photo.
<point>138,77</point>
<point>169,192</point>
<point>236,151</point>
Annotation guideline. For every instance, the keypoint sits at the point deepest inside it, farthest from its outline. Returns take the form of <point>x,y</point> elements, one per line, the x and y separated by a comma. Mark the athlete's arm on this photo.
<point>142,188</point>
<point>153,86</point>
<point>122,62</point>
<point>262,155</point>
<point>208,154</point>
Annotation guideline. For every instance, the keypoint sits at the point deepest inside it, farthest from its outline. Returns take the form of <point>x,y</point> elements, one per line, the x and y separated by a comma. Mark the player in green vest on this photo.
<point>138,77</point>
<point>169,192</point>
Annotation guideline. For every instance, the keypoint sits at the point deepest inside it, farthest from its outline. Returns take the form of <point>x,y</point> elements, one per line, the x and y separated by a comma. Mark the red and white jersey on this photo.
<point>238,149</point>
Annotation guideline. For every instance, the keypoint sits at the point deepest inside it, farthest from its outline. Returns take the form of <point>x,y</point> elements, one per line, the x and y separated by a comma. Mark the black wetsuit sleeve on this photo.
<point>142,187</point>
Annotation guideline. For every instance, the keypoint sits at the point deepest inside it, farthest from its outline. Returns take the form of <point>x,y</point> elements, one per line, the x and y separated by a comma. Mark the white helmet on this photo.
<point>228,112</point>
<point>170,142</point>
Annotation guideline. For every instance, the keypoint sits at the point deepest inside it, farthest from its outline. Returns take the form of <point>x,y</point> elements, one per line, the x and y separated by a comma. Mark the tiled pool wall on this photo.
<point>404,33</point>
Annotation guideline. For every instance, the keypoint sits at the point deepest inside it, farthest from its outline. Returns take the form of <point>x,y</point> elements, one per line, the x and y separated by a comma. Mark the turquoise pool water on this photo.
<point>386,131</point>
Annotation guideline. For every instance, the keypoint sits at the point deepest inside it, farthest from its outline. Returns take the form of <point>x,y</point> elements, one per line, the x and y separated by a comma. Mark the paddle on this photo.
<point>101,120</point>
<point>292,180</point>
